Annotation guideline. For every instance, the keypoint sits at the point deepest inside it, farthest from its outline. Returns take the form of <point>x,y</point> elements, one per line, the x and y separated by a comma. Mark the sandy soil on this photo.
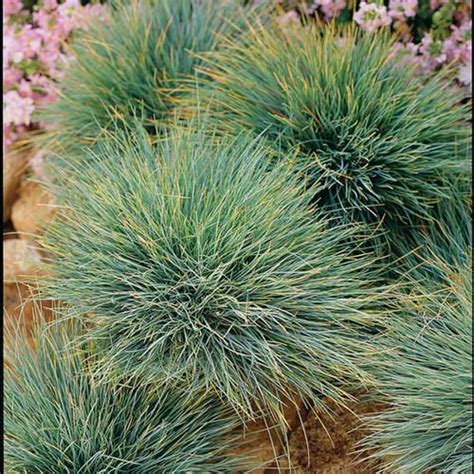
<point>19,313</point>
<point>331,448</point>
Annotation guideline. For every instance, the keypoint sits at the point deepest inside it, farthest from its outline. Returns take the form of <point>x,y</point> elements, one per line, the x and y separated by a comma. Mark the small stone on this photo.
<point>15,164</point>
<point>20,260</point>
<point>32,210</point>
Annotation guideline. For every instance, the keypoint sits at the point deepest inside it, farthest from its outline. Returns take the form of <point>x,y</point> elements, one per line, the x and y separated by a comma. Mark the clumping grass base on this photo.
<point>57,418</point>
<point>432,250</point>
<point>424,375</point>
<point>194,262</point>
<point>381,145</point>
<point>133,63</point>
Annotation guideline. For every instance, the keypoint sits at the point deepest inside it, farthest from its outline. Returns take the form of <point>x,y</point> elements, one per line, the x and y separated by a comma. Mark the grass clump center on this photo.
<point>197,263</point>
<point>380,144</point>
<point>58,418</point>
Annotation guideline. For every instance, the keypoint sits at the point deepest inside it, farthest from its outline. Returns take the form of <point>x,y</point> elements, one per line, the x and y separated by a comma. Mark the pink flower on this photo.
<point>9,44</point>
<point>52,40</point>
<point>95,12</point>
<point>34,56</point>
<point>44,90</point>
<point>12,47</point>
<point>17,110</point>
<point>50,4</point>
<point>49,57</point>
<point>11,77</point>
<point>11,7</point>
<point>44,19</point>
<point>71,15</point>
<point>24,88</point>
<point>30,40</point>
<point>407,54</point>
<point>330,8</point>
<point>11,134</point>
<point>458,46</point>
<point>402,9</point>
<point>370,16</point>
<point>432,53</point>
<point>435,4</point>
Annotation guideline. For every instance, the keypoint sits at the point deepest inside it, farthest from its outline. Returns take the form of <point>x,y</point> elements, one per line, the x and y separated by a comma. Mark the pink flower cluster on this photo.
<point>34,56</point>
<point>447,43</point>
<point>456,51</point>
<point>329,8</point>
<point>372,16</point>
<point>435,4</point>
<point>400,10</point>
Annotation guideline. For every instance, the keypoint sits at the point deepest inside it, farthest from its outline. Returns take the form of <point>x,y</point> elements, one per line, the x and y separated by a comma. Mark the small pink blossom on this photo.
<point>432,53</point>
<point>34,56</point>
<point>24,88</point>
<point>30,40</point>
<point>458,46</point>
<point>11,7</point>
<point>407,54</point>
<point>330,8</point>
<point>435,4</point>
<point>44,89</point>
<point>44,19</point>
<point>17,110</point>
<point>71,15</point>
<point>49,57</point>
<point>402,9</point>
<point>50,4</point>
<point>11,77</point>
<point>370,16</point>
<point>12,47</point>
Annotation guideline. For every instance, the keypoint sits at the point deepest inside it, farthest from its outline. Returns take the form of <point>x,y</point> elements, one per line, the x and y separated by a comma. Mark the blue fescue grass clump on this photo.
<point>424,375</point>
<point>194,263</point>
<point>381,145</point>
<point>133,63</point>
<point>430,251</point>
<point>57,418</point>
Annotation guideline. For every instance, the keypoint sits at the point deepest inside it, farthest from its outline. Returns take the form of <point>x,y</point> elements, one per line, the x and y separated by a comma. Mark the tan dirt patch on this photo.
<point>332,446</point>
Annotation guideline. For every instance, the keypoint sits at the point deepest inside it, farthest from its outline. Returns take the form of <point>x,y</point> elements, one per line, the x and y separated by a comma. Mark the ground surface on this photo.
<point>331,448</point>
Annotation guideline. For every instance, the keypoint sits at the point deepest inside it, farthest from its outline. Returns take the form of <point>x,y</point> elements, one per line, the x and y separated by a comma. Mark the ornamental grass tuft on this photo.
<point>57,418</point>
<point>195,263</point>
<point>424,376</point>
<point>133,63</point>
<point>430,251</point>
<point>380,144</point>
